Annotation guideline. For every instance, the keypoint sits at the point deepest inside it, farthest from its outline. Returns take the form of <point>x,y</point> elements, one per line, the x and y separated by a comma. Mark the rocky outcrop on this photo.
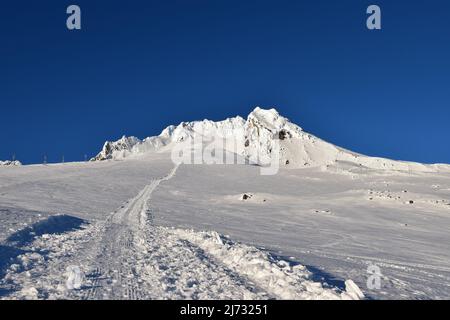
<point>10,163</point>
<point>115,149</point>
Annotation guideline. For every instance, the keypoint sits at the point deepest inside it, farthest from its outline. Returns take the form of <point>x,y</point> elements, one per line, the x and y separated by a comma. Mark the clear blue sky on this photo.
<point>138,66</point>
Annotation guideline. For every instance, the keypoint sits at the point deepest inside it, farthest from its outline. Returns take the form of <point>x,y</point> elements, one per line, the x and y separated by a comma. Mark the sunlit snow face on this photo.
<point>232,146</point>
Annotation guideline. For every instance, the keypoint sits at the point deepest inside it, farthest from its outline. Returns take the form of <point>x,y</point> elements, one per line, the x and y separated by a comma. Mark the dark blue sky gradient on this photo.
<point>138,66</point>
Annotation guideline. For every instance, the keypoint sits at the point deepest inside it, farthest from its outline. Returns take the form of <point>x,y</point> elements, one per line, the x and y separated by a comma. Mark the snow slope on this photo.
<point>264,135</point>
<point>336,222</point>
<point>126,256</point>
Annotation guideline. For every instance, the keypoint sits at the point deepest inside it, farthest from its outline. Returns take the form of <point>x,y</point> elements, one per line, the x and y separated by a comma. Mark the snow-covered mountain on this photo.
<point>10,163</point>
<point>262,134</point>
<point>133,229</point>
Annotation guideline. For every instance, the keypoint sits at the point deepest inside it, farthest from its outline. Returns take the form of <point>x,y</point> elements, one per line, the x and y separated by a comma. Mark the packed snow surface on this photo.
<point>138,226</point>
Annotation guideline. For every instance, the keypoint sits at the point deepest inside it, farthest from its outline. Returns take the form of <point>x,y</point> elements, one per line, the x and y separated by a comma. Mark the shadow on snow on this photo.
<point>15,245</point>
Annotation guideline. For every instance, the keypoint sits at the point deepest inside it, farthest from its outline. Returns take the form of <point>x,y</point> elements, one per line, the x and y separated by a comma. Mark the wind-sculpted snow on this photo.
<point>264,137</point>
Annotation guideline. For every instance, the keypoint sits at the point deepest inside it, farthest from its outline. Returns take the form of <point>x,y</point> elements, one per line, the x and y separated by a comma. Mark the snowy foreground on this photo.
<point>115,221</point>
<point>124,254</point>
<point>139,226</point>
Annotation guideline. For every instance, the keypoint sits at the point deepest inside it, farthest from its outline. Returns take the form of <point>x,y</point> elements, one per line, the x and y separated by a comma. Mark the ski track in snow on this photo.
<point>127,257</point>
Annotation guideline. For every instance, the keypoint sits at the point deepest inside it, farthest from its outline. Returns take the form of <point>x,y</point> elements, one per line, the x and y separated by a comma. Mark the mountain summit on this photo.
<point>260,132</point>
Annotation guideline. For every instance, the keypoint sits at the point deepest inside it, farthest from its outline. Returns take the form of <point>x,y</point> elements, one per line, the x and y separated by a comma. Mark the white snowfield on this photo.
<point>126,256</point>
<point>138,226</point>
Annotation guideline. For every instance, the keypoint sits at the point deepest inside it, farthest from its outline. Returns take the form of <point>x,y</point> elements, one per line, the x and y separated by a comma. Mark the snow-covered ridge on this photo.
<point>263,130</point>
<point>115,149</point>
<point>10,163</point>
